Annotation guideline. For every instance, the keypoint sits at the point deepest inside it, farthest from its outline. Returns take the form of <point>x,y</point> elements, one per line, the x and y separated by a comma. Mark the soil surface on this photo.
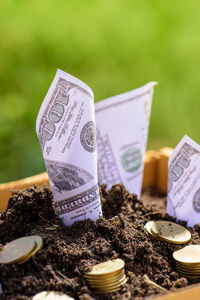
<point>69,251</point>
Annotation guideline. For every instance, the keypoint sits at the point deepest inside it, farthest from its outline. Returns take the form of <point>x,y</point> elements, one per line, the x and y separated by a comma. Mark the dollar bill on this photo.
<point>66,130</point>
<point>122,124</point>
<point>183,196</point>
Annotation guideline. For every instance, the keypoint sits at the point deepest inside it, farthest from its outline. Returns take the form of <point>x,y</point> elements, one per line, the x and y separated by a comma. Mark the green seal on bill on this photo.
<point>131,160</point>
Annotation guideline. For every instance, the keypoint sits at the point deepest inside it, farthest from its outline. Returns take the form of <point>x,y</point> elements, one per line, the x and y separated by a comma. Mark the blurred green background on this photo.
<point>113,46</point>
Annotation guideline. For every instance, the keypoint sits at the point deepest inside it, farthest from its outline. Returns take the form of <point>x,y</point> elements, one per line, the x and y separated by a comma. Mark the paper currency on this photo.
<point>183,197</point>
<point>66,130</point>
<point>122,125</point>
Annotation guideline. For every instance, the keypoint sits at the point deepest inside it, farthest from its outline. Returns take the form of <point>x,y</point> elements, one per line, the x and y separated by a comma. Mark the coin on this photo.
<point>193,266</point>
<point>189,275</point>
<point>108,267</point>
<point>196,270</point>
<point>188,265</point>
<point>105,276</point>
<point>188,255</point>
<point>171,232</point>
<point>105,280</point>
<point>17,250</point>
<point>188,261</point>
<point>147,228</point>
<point>111,289</point>
<point>112,277</point>
<point>189,272</point>
<point>39,244</point>
<point>51,296</point>
<point>108,284</point>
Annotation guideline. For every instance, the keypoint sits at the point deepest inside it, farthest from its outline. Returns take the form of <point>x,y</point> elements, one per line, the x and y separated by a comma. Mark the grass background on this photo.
<point>113,46</point>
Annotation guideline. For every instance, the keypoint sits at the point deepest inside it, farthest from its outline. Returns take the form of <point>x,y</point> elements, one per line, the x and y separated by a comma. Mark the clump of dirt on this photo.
<point>69,251</point>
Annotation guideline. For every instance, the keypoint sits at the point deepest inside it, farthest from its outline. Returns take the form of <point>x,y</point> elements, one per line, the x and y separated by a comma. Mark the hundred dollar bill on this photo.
<point>66,130</point>
<point>122,124</point>
<point>183,197</point>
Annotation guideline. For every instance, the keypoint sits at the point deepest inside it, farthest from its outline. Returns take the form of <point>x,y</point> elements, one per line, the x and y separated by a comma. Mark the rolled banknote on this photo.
<point>183,196</point>
<point>122,124</point>
<point>66,130</point>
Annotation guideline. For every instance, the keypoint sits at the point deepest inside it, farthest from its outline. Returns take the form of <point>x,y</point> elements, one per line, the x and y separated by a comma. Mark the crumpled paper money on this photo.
<point>183,197</point>
<point>122,124</point>
<point>66,130</point>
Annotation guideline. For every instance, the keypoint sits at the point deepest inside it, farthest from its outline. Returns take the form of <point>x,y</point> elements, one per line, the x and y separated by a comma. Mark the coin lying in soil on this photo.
<point>107,277</point>
<point>147,228</point>
<point>188,261</point>
<point>170,232</point>
<point>39,244</point>
<point>17,250</point>
<point>20,250</point>
<point>51,296</point>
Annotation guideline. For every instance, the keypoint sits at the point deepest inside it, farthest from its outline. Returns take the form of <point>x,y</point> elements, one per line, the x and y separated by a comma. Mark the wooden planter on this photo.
<point>155,175</point>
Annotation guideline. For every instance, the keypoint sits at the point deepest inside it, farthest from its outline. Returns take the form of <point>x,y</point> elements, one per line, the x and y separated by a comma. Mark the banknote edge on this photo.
<point>132,94</point>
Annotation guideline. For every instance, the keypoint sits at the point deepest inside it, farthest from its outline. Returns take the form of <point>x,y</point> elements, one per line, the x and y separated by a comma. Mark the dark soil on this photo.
<point>69,251</point>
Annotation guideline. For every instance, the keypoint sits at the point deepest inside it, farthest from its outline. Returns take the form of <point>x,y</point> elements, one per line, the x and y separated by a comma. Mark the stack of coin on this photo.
<point>51,296</point>
<point>188,261</point>
<point>168,231</point>
<point>107,277</point>
<point>21,249</point>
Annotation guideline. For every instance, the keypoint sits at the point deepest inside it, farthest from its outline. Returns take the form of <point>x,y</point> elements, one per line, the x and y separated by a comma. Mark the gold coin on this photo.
<point>106,268</point>
<point>189,254</point>
<point>188,271</point>
<point>112,285</point>
<point>171,232</point>
<point>188,265</point>
<point>111,290</point>
<point>147,228</point>
<point>185,264</point>
<point>108,284</point>
<point>39,244</point>
<point>189,275</point>
<point>51,296</point>
<point>105,278</point>
<point>191,272</point>
<point>16,250</point>
<point>111,280</point>
<point>185,267</point>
